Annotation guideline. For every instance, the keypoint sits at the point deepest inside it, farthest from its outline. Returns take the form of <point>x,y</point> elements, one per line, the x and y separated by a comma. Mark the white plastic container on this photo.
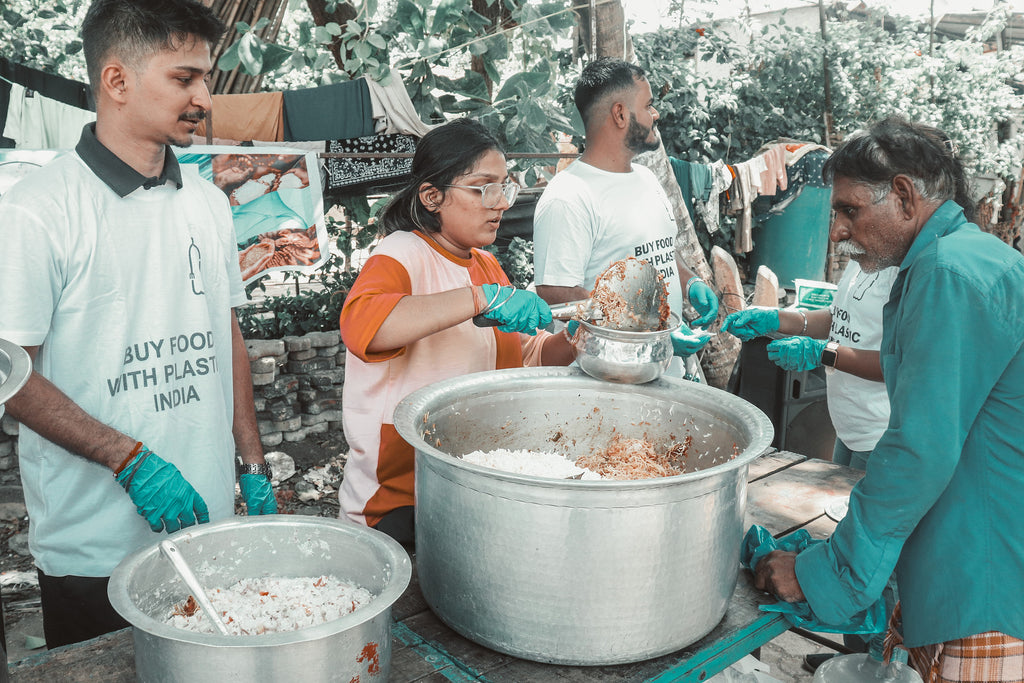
<point>862,668</point>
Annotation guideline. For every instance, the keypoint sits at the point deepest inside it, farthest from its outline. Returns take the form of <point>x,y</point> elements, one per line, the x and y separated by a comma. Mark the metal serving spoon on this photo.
<point>171,552</point>
<point>627,296</point>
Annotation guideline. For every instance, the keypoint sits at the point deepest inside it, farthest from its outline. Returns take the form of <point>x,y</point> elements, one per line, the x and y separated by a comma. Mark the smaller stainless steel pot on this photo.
<point>624,357</point>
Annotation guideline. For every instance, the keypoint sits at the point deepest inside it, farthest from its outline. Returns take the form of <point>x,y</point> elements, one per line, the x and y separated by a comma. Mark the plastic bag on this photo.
<point>759,542</point>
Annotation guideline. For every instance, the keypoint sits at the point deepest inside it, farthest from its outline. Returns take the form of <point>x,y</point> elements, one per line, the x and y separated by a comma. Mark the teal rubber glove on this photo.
<point>796,353</point>
<point>161,495</point>
<point>686,342</point>
<point>571,327</point>
<point>704,301</point>
<point>518,310</point>
<point>258,494</point>
<point>751,322</point>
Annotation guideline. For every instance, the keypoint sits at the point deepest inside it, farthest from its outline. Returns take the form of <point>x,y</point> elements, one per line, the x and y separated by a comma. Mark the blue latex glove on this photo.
<point>258,494</point>
<point>161,494</point>
<point>796,353</point>
<point>704,301</point>
<point>522,310</point>
<point>686,342</point>
<point>759,542</point>
<point>751,322</point>
<point>570,329</point>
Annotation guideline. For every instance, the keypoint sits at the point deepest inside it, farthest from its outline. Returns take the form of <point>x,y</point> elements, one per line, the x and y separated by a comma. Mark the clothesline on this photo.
<point>409,155</point>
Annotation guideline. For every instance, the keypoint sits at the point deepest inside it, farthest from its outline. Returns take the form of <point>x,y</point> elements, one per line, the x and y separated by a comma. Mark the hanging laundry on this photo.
<point>795,150</point>
<point>330,112</point>
<point>745,187</point>
<point>694,183</point>
<point>393,110</point>
<point>253,116</point>
<point>353,174</point>
<point>37,122</point>
<point>64,90</point>
<point>721,179</point>
<point>774,176</point>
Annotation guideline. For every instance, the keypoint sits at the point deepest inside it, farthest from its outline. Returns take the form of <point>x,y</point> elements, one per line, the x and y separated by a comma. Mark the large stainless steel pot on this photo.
<point>144,587</point>
<point>578,572</point>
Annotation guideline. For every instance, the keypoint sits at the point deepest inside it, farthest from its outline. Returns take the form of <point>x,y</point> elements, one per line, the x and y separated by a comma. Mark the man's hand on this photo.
<point>796,353</point>
<point>703,300</point>
<point>258,494</point>
<point>776,573</point>
<point>686,342</point>
<point>751,322</point>
<point>161,494</point>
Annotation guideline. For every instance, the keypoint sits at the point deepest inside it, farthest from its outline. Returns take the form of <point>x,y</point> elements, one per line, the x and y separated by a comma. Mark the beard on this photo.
<point>638,137</point>
<point>186,140</point>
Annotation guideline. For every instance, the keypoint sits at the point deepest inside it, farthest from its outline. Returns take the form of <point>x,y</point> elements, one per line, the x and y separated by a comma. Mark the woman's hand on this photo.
<point>517,310</point>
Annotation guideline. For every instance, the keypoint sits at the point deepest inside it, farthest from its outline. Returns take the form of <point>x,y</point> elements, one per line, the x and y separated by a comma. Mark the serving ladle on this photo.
<point>173,555</point>
<point>627,296</point>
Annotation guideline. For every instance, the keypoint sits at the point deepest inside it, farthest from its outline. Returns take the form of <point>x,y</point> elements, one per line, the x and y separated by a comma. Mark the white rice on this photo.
<point>532,463</point>
<point>273,605</point>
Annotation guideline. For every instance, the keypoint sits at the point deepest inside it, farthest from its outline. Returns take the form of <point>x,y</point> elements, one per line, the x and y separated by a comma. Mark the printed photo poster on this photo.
<point>276,203</point>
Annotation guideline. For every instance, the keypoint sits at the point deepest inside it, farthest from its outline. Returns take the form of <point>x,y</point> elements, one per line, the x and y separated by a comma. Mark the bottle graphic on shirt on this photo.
<point>195,266</point>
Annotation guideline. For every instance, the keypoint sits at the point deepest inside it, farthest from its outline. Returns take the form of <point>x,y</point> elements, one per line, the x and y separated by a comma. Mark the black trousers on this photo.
<point>76,608</point>
<point>400,524</point>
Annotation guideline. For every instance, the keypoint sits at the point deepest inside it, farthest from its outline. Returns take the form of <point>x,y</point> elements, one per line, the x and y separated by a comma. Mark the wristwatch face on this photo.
<point>828,354</point>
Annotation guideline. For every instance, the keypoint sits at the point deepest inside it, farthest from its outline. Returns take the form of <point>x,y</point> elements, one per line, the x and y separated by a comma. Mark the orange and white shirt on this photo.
<point>379,472</point>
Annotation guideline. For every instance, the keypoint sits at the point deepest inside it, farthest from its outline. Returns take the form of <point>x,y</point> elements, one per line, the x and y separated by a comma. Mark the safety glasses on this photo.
<point>491,194</point>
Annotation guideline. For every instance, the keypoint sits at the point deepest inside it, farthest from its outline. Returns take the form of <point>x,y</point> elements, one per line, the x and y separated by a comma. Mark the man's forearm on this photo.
<point>244,427</point>
<point>49,412</point>
<point>560,295</point>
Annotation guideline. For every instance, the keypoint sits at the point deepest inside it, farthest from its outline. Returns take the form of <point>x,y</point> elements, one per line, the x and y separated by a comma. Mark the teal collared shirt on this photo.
<point>119,176</point>
<point>942,500</point>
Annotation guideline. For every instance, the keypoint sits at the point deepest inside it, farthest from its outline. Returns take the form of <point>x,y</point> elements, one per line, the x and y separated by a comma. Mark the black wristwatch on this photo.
<point>251,468</point>
<point>829,354</point>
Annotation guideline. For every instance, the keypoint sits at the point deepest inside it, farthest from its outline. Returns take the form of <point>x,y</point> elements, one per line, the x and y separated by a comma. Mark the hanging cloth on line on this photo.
<point>251,116</point>
<point>330,112</point>
<point>364,173</point>
<point>37,122</point>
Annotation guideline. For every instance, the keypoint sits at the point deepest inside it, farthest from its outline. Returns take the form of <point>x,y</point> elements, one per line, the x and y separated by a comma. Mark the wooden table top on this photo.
<point>785,492</point>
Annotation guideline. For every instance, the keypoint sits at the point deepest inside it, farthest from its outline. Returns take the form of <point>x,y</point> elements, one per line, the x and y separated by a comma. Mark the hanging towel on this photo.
<point>37,122</point>
<point>774,176</point>
<point>330,112</point>
<point>361,173</point>
<point>393,108</point>
<point>254,116</point>
<point>746,186</point>
<point>708,209</point>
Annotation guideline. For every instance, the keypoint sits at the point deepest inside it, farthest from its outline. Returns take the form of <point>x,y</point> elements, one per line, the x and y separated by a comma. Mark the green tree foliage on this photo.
<point>45,35</point>
<point>774,87</point>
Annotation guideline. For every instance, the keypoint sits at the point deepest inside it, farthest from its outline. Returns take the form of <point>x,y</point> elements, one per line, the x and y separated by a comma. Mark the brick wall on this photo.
<point>297,385</point>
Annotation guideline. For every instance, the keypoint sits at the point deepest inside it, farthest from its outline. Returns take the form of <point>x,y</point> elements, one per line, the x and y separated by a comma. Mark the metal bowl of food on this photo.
<point>15,368</point>
<point>144,589</point>
<point>574,571</point>
<point>621,356</point>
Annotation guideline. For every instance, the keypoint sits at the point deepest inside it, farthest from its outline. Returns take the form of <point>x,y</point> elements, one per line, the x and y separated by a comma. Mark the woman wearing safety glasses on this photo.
<point>407,322</point>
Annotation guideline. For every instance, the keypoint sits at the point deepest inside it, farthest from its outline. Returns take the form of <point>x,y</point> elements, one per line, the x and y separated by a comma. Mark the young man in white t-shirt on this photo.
<point>119,274</point>
<point>603,207</point>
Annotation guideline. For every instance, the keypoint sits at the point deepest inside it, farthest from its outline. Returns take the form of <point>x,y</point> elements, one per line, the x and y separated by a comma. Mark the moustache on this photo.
<point>195,117</point>
<point>849,248</point>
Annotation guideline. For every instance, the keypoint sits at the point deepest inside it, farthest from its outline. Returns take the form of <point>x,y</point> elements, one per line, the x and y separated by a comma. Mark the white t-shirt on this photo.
<point>589,218</point>
<point>130,300</point>
<point>859,407</point>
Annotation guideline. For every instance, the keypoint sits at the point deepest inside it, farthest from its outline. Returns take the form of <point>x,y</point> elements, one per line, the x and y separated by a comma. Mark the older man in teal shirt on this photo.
<point>942,500</point>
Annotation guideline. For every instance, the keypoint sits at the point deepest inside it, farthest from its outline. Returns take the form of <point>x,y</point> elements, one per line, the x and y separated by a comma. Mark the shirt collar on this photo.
<point>119,176</point>
<point>947,218</point>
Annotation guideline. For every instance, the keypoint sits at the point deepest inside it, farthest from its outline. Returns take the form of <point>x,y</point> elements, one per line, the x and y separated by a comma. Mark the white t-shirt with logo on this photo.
<point>131,302</point>
<point>859,407</point>
<point>588,218</point>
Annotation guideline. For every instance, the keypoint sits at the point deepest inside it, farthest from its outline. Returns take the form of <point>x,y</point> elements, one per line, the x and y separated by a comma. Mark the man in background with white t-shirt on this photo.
<point>603,207</point>
<point>119,274</point>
